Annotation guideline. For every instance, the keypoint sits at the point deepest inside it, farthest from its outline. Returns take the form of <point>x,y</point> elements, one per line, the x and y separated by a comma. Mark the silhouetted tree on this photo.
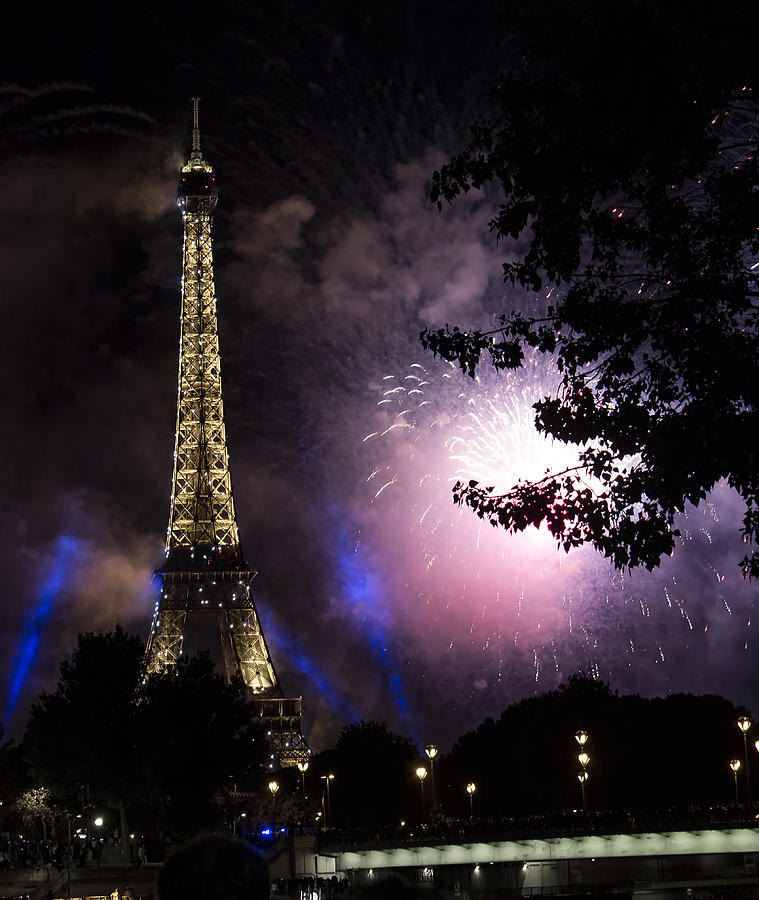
<point>14,779</point>
<point>374,783</point>
<point>195,735</point>
<point>643,753</point>
<point>82,733</point>
<point>623,148</point>
<point>164,752</point>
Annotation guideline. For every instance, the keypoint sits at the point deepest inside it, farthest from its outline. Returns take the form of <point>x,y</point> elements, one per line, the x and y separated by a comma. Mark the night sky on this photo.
<point>381,601</point>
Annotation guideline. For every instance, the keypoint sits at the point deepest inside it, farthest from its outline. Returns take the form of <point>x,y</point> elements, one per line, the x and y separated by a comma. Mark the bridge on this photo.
<point>703,863</point>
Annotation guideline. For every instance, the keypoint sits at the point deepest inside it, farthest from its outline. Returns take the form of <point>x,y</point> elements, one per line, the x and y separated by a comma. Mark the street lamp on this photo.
<point>68,878</point>
<point>326,779</point>
<point>744,723</point>
<point>581,737</point>
<point>235,820</point>
<point>431,751</point>
<point>582,777</point>
<point>470,789</point>
<point>421,774</point>
<point>303,768</point>
<point>735,765</point>
<point>98,823</point>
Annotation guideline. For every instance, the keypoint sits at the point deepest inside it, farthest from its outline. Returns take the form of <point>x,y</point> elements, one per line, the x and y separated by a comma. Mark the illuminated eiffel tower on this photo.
<point>204,573</point>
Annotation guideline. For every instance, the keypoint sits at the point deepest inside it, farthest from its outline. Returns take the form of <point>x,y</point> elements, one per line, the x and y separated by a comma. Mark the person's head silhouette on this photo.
<point>214,868</point>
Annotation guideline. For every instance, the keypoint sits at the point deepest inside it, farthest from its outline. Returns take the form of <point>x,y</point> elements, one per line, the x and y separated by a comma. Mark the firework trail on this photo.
<point>33,115</point>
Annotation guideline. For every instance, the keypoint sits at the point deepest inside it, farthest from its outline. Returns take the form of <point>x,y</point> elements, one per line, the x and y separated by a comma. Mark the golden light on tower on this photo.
<point>204,573</point>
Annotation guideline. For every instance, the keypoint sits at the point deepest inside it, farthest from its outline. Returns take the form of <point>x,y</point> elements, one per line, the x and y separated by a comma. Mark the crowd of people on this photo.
<point>553,824</point>
<point>21,853</point>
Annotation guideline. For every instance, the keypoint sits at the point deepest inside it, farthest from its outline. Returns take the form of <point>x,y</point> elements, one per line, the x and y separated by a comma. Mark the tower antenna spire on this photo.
<point>195,126</point>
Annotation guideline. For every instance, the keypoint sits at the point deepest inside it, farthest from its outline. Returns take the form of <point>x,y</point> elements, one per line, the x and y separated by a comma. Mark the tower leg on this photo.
<point>165,643</point>
<point>245,649</point>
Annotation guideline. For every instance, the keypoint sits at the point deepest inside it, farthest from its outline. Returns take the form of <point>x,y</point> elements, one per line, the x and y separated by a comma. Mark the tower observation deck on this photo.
<point>204,572</point>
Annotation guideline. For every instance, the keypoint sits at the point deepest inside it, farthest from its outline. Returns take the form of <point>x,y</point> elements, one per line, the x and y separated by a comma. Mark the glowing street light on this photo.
<point>431,751</point>
<point>235,820</point>
<point>744,723</point>
<point>421,774</point>
<point>582,738</point>
<point>326,779</point>
<point>735,765</point>
<point>303,768</point>
<point>98,823</point>
<point>470,789</point>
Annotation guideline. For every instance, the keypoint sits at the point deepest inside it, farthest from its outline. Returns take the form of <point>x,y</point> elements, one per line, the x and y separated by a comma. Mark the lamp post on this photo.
<point>98,823</point>
<point>735,765</point>
<point>582,777</point>
<point>235,820</point>
<point>70,851</point>
<point>273,787</point>
<point>470,789</point>
<point>744,723</point>
<point>326,779</point>
<point>421,774</point>
<point>303,768</point>
<point>431,751</point>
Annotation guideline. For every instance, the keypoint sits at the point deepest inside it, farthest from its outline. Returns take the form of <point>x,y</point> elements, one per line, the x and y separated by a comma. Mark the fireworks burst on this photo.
<point>506,594</point>
<point>510,610</point>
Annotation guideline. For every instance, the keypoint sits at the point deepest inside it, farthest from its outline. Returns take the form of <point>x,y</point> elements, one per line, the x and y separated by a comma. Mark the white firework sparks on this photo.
<point>504,608</point>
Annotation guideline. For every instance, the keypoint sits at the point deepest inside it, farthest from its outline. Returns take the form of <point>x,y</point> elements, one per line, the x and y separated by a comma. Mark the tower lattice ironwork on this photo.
<point>204,572</point>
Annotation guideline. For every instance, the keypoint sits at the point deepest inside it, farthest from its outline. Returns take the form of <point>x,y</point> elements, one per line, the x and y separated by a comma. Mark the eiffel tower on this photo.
<point>204,573</point>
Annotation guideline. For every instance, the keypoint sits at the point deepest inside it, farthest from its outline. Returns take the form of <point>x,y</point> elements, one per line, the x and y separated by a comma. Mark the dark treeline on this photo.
<point>183,754</point>
<point>643,752</point>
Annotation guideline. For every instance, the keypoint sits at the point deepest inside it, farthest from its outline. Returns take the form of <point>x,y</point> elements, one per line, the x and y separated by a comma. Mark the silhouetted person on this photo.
<point>214,868</point>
